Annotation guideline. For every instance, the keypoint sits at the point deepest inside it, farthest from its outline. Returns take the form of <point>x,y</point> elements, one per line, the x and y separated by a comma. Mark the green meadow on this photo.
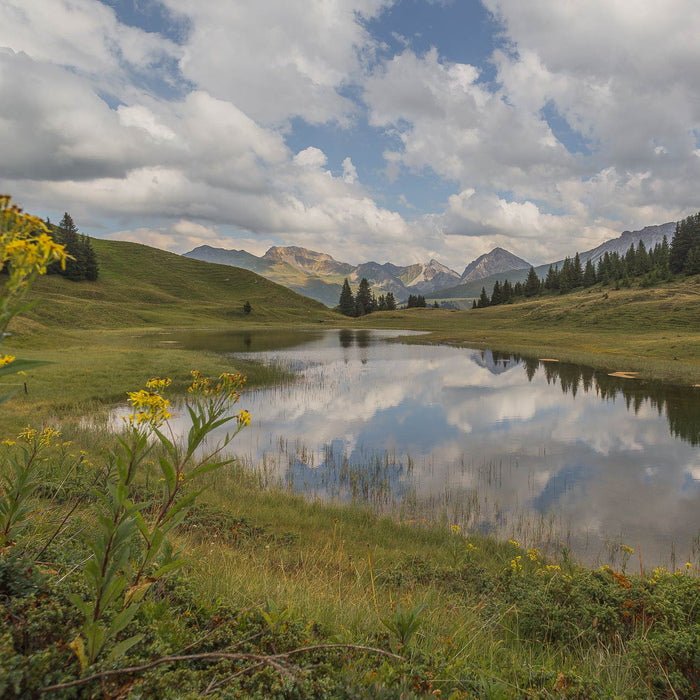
<point>278,596</point>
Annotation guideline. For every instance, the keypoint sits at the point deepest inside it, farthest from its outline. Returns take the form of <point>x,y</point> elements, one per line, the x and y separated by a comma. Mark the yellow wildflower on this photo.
<point>456,529</point>
<point>243,418</point>
<point>471,547</point>
<point>688,565</point>
<point>627,549</point>
<point>48,435</point>
<point>7,360</point>
<point>150,408</point>
<point>157,384</point>
<point>533,554</point>
<point>515,543</point>
<point>28,434</point>
<point>516,564</point>
<point>8,443</point>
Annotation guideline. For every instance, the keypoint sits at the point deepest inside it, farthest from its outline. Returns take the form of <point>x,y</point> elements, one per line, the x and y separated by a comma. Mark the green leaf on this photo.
<point>123,646</point>
<point>122,619</point>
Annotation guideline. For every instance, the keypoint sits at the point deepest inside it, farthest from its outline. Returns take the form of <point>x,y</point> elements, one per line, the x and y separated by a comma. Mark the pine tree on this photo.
<point>589,278</point>
<point>390,302</point>
<point>686,238</point>
<point>496,296</point>
<point>92,269</point>
<point>247,308</point>
<point>474,306</point>
<point>507,292</point>
<point>346,305</point>
<point>577,272</point>
<point>532,283</point>
<point>484,300</point>
<point>363,298</point>
<point>551,282</point>
<point>70,237</point>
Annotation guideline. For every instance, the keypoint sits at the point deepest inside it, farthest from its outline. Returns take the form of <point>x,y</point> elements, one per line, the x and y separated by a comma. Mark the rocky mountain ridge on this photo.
<point>320,276</point>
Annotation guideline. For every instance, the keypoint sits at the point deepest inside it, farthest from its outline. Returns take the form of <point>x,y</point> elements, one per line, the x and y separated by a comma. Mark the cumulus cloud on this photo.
<point>137,134</point>
<point>278,59</point>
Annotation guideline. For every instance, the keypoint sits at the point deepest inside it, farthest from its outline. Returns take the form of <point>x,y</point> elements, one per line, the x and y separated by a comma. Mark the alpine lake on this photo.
<point>556,456</point>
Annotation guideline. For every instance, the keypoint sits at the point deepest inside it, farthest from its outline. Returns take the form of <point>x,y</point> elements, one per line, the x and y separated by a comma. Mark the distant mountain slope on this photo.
<point>651,235</point>
<point>320,276</point>
<point>493,263</point>
<point>284,269</point>
<point>308,261</point>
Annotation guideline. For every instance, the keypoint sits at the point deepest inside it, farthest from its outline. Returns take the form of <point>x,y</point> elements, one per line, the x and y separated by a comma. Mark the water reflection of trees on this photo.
<point>681,405</point>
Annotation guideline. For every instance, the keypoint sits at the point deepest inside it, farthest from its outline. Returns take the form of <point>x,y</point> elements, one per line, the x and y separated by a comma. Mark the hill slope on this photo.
<point>139,285</point>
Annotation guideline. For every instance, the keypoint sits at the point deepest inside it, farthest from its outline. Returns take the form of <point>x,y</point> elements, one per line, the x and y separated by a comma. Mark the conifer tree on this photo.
<point>346,305</point>
<point>496,296</point>
<point>92,269</point>
<point>484,300</point>
<point>577,272</point>
<point>363,298</point>
<point>687,238</point>
<point>532,283</point>
<point>390,302</point>
<point>589,278</point>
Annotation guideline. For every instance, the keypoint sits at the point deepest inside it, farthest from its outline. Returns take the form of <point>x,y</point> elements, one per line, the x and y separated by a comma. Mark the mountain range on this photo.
<point>320,276</point>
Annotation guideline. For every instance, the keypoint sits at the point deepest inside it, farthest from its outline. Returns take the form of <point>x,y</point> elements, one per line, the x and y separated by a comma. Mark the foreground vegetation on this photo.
<point>259,593</point>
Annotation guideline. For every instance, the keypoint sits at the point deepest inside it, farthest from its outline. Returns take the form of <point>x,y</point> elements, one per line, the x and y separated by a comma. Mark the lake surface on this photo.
<point>552,454</point>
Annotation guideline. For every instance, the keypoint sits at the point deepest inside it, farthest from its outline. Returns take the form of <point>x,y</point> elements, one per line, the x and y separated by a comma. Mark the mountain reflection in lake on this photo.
<point>546,452</point>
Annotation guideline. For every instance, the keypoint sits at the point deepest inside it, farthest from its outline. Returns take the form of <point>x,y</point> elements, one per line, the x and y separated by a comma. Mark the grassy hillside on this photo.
<point>91,334</point>
<point>139,285</point>
<point>655,331</point>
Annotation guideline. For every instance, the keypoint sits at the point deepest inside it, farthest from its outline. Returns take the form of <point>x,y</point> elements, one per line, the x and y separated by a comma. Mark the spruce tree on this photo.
<point>686,238</point>
<point>390,302</point>
<point>92,269</point>
<point>70,237</point>
<point>484,300</point>
<point>496,296</point>
<point>346,305</point>
<point>532,283</point>
<point>589,277</point>
<point>363,298</point>
<point>577,272</point>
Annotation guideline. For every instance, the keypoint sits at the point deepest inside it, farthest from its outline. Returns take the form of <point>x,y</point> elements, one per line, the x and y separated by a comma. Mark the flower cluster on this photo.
<point>26,247</point>
<point>149,408</point>
<point>40,438</point>
<point>6,360</point>
<point>227,385</point>
<point>243,417</point>
<point>158,384</point>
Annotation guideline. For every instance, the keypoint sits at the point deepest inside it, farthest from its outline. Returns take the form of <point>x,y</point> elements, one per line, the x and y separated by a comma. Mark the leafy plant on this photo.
<point>404,623</point>
<point>130,547</point>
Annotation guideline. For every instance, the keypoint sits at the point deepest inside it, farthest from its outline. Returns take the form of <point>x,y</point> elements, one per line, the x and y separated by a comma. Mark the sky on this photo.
<point>399,130</point>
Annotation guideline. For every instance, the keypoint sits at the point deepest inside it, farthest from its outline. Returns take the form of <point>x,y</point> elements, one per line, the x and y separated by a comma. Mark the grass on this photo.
<point>484,627</point>
<point>92,333</point>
